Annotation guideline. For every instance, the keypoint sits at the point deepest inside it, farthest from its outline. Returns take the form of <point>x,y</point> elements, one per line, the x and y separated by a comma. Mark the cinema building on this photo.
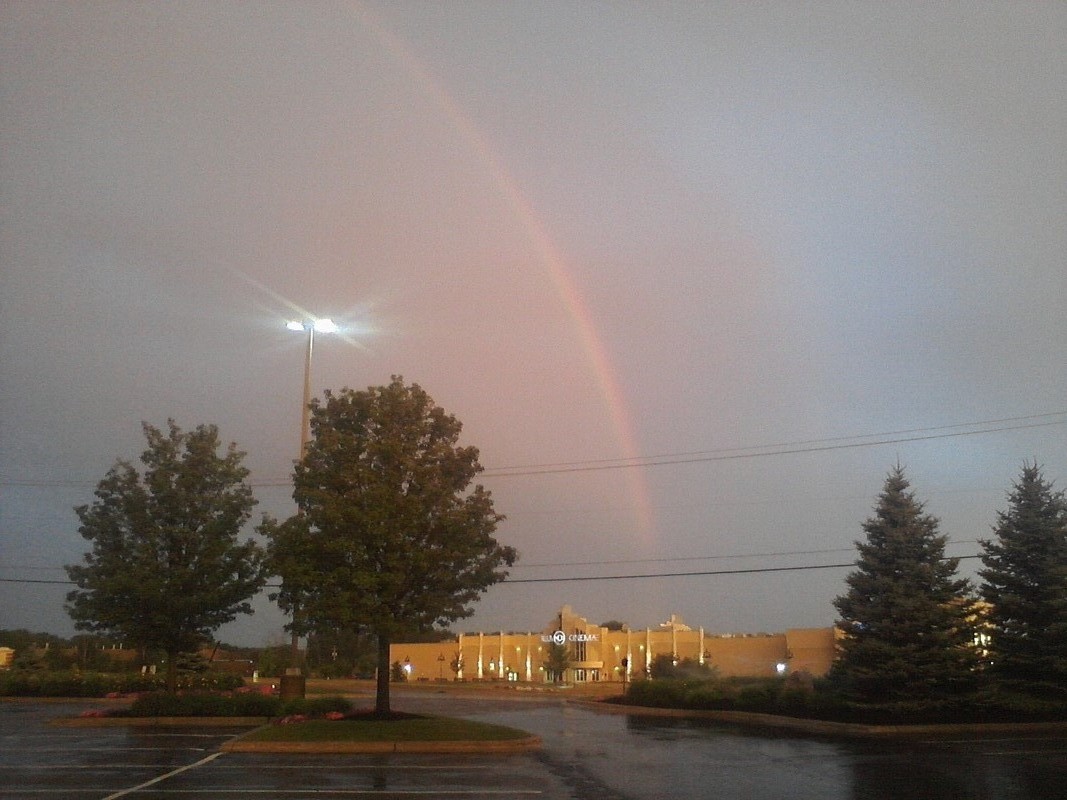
<point>599,654</point>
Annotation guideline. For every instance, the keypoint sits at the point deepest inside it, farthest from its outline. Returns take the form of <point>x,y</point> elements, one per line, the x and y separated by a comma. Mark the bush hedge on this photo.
<point>202,704</point>
<point>780,697</point>
<point>19,683</point>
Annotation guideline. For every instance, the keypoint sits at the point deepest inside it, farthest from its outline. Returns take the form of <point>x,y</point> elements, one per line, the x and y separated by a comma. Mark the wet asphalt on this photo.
<point>586,756</point>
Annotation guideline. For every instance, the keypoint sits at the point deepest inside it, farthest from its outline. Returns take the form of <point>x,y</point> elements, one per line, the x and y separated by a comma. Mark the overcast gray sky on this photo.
<point>697,233</point>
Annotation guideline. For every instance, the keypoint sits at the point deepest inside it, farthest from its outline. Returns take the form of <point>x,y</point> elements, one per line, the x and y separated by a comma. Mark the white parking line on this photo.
<point>985,740</point>
<point>115,749</point>
<point>170,774</point>
<point>297,792</point>
<point>349,793</point>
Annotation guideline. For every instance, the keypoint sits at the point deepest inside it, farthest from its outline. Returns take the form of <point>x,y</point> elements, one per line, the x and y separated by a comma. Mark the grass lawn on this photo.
<point>409,729</point>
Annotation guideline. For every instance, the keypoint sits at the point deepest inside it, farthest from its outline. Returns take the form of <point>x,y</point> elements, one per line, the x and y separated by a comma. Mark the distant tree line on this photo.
<point>35,650</point>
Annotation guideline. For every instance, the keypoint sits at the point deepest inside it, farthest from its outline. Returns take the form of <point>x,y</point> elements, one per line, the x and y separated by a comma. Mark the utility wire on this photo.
<point>606,562</point>
<point>778,445</point>
<point>707,558</point>
<point>690,457</point>
<point>732,456</point>
<point>694,574</point>
<point>751,571</point>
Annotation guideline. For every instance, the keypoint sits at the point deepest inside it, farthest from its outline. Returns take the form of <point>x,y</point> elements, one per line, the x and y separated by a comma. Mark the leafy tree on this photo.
<point>289,557</point>
<point>905,617</point>
<point>1025,584</point>
<point>396,539</point>
<point>271,660</point>
<point>166,567</point>
<point>666,666</point>
<point>613,625</point>
<point>557,661</point>
<point>341,653</point>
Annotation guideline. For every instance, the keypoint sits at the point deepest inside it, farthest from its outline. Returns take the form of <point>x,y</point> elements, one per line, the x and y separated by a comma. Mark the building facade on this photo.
<point>598,654</point>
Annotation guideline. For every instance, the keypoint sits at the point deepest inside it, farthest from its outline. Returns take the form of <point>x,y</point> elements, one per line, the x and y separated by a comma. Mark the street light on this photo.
<point>321,326</point>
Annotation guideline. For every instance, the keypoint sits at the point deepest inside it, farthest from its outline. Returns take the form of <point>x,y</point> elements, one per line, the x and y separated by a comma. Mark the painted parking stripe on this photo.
<point>347,792</point>
<point>298,792</point>
<point>115,749</point>
<point>170,774</point>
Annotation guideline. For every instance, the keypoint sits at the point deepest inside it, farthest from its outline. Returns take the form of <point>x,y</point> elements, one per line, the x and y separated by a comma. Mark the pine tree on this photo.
<point>1025,584</point>
<point>907,635</point>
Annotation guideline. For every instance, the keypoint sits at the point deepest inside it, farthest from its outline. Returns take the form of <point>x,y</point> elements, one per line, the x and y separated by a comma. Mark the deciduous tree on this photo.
<point>289,557</point>
<point>166,567</point>
<point>398,539</point>
<point>907,634</point>
<point>557,661</point>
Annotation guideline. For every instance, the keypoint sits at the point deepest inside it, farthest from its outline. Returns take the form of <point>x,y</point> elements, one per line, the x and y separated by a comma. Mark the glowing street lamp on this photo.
<point>311,327</point>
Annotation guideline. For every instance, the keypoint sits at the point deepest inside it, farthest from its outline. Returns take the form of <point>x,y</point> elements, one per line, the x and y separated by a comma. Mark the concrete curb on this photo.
<point>827,728</point>
<point>240,744</point>
<point>153,722</point>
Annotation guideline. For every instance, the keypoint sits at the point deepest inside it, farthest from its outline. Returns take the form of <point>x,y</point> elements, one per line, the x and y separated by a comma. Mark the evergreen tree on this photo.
<point>1025,584</point>
<point>907,635</point>
<point>395,537</point>
<point>166,568</point>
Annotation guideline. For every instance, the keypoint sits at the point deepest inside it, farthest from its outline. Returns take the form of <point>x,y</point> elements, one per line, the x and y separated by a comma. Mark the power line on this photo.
<point>706,558</point>
<point>778,445</point>
<point>687,457</point>
<point>637,576</point>
<point>732,456</point>
<point>694,574</point>
<point>600,562</point>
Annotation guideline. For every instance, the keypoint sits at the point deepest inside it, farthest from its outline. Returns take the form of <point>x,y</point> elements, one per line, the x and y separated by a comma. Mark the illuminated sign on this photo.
<point>560,638</point>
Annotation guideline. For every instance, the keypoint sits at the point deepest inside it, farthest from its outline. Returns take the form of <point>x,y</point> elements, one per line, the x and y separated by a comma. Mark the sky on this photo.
<point>694,276</point>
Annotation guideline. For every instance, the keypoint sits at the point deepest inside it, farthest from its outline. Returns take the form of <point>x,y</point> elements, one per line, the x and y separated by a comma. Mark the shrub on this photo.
<point>667,667</point>
<point>204,704</point>
<point>658,693</point>
<point>317,706</point>
<point>100,684</point>
<point>256,705</point>
<point>250,704</point>
<point>710,696</point>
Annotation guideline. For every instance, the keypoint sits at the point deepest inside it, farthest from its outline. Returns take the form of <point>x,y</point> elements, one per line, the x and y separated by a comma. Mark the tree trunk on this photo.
<point>172,671</point>
<point>381,703</point>
<point>294,645</point>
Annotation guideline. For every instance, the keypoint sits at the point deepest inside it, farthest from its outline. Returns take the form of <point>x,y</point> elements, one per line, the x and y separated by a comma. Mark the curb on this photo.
<point>506,747</point>
<point>153,722</point>
<point>828,728</point>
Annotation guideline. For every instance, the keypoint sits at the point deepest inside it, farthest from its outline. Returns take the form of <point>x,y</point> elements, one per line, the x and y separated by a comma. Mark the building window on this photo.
<point>579,676</point>
<point>579,649</point>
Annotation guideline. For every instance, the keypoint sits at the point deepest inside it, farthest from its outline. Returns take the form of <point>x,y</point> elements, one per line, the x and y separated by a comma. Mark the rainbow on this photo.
<point>549,255</point>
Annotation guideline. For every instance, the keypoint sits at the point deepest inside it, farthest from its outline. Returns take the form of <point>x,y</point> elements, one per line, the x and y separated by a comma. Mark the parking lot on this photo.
<point>38,760</point>
<point>586,756</point>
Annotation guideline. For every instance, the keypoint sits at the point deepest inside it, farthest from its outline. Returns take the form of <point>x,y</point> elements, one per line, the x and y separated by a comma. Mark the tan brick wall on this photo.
<point>523,654</point>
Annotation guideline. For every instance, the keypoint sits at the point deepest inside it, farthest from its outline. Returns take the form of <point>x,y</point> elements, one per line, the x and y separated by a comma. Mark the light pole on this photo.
<point>322,326</point>
<point>293,674</point>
